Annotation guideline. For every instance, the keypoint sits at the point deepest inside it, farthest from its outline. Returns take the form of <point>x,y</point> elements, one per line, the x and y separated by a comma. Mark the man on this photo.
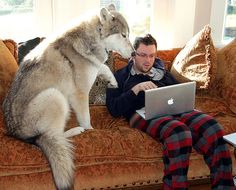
<point>177,133</point>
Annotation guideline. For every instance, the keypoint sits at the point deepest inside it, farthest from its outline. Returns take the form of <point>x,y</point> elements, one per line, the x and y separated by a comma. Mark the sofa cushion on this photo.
<point>197,60</point>
<point>8,66</point>
<point>111,151</point>
<point>226,74</point>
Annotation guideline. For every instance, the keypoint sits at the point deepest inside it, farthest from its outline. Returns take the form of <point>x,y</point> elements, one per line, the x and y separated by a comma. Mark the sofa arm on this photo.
<point>12,47</point>
<point>8,65</point>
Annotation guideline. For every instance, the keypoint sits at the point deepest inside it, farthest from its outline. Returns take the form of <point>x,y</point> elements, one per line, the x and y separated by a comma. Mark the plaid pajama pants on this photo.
<point>179,134</point>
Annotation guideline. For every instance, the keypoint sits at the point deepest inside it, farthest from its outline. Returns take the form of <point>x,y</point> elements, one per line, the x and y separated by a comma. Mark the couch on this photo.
<point>114,156</point>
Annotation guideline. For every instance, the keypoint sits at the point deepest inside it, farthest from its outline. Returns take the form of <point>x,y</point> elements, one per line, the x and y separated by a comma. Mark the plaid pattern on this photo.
<point>179,134</point>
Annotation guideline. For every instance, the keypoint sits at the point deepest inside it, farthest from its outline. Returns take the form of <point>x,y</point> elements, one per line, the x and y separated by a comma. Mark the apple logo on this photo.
<point>170,101</point>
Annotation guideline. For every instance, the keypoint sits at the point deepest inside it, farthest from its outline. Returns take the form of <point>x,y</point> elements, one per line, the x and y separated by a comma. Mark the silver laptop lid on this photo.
<point>170,100</point>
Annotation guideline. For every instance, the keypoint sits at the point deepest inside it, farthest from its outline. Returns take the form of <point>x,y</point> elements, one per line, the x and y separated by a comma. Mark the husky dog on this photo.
<point>57,74</point>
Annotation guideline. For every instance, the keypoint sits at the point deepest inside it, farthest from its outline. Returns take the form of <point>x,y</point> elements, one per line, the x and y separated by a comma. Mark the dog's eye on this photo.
<point>123,35</point>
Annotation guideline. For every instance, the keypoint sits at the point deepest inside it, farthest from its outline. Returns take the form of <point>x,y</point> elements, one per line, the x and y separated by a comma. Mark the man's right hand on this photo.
<point>143,86</point>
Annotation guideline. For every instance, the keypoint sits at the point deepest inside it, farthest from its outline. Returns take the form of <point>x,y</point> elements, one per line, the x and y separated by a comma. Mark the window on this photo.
<point>230,21</point>
<point>136,12</point>
<point>14,14</point>
<point>15,6</point>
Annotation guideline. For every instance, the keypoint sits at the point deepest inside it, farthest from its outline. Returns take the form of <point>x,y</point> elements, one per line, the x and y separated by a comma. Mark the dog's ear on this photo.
<point>111,7</point>
<point>105,15</point>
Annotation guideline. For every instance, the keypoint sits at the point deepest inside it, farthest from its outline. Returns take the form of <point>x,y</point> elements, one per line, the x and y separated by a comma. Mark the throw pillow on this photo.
<point>226,64</point>
<point>8,68</point>
<point>97,94</point>
<point>197,60</point>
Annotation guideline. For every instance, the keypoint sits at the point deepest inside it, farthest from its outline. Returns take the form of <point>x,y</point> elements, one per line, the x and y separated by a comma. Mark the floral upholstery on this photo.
<point>112,156</point>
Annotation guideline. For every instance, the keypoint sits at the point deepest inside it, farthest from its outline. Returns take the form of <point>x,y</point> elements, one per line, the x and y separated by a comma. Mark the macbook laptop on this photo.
<point>168,100</point>
<point>230,138</point>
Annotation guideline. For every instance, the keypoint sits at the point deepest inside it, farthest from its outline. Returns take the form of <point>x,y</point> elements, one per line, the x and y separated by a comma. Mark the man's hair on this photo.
<point>146,40</point>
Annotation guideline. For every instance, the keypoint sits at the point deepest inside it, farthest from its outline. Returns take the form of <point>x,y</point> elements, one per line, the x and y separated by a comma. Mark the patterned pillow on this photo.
<point>8,66</point>
<point>197,60</point>
<point>226,64</point>
<point>97,94</point>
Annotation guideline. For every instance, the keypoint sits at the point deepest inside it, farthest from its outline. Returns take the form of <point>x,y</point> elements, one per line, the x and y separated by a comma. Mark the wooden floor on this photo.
<point>201,187</point>
<point>202,184</point>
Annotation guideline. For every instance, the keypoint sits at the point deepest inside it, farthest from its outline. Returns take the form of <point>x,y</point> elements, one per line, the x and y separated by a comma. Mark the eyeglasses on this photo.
<point>144,55</point>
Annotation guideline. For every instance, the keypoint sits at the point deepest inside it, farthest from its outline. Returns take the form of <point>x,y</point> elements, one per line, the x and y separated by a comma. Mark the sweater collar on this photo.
<point>156,73</point>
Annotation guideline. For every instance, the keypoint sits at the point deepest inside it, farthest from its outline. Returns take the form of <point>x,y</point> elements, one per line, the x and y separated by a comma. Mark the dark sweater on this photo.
<point>122,101</point>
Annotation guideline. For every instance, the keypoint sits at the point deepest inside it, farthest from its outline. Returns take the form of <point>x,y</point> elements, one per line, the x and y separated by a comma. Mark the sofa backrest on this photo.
<point>167,56</point>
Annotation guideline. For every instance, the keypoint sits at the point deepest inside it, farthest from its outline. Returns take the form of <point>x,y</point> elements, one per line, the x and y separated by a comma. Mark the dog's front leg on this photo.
<point>106,73</point>
<point>80,104</point>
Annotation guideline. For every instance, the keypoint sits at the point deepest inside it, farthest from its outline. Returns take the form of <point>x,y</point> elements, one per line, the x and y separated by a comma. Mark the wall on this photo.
<point>173,22</point>
<point>202,14</point>
<point>217,21</point>
<point>66,10</point>
<point>176,21</point>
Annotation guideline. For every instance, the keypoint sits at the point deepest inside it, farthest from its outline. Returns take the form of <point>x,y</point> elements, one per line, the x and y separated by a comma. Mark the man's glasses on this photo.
<point>144,55</point>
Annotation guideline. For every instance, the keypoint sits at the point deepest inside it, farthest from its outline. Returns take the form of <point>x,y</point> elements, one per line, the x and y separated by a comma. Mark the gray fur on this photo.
<point>56,75</point>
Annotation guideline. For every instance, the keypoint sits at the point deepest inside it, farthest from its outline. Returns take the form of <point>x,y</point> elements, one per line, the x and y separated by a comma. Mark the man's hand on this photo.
<point>143,86</point>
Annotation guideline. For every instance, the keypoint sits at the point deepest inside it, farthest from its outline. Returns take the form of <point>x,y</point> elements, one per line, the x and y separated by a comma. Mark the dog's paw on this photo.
<point>74,131</point>
<point>112,84</point>
<point>87,128</point>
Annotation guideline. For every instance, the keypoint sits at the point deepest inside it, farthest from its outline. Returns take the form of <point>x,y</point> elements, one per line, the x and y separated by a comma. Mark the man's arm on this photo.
<point>119,103</point>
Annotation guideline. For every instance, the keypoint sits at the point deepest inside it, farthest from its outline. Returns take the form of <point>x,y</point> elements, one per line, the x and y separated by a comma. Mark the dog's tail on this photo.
<point>59,152</point>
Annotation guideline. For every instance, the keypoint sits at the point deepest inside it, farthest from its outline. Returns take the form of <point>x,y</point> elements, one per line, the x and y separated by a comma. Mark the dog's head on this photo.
<point>115,31</point>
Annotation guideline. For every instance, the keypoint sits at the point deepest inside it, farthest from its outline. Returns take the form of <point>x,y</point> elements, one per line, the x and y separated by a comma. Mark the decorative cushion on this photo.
<point>8,67</point>
<point>97,94</point>
<point>197,60</point>
<point>226,58</point>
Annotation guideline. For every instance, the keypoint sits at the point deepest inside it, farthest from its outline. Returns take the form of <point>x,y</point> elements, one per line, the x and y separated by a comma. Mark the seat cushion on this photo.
<point>110,156</point>
<point>219,109</point>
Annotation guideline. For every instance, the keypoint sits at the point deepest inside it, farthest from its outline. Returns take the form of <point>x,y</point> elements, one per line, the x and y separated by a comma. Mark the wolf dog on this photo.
<point>57,75</point>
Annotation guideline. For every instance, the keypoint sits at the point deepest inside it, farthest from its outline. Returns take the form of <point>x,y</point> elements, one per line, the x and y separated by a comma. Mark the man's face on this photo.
<point>144,58</point>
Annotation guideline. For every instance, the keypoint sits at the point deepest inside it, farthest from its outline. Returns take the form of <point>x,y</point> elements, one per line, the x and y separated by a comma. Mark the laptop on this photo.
<point>169,100</point>
<point>230,138</point>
